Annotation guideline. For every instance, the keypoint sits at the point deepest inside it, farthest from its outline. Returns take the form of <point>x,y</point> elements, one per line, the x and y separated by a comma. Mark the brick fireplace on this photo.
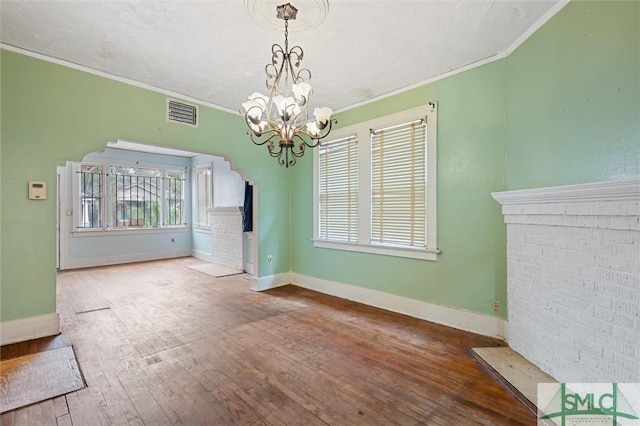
<point>573,261</point>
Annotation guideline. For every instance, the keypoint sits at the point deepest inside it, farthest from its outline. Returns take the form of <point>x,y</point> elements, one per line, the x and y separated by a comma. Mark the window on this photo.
<point>134,197</point>
<point>202,195</point>
<point>338,190</point>
<point>375,185</point>
<point>398,185</point>
<point>91,195</point>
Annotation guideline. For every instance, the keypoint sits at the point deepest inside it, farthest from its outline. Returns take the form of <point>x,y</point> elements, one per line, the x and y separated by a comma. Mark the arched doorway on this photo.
<point>123,216</point>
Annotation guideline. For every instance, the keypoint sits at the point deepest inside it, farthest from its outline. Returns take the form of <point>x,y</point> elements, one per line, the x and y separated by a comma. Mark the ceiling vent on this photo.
<point>183,113</point>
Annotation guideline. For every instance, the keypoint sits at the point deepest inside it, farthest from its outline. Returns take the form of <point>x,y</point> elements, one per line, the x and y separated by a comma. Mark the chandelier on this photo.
<point>281,119</point>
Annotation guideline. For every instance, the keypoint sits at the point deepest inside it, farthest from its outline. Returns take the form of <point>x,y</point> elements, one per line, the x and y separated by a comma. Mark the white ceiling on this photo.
<point>212,51</point>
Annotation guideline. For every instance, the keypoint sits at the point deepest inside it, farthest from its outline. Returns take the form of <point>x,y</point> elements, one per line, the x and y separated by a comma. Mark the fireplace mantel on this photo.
<point>616,190</point>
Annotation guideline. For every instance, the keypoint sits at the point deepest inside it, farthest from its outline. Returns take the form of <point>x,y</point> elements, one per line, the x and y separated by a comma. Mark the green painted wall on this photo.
<point>562,109</point>
<point>471,271</point>
<point>574,98</point>
<point>51,114</point>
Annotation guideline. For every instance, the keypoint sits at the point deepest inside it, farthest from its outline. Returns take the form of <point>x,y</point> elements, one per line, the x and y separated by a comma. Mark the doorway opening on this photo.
<point>136,202</point>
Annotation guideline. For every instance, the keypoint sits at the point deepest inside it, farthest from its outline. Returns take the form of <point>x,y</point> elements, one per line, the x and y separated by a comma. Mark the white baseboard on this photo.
<point>125,258</point>
<point>203,255</point>
<point>270,281</point>
<point>29,328</point>
<point>453,317</point>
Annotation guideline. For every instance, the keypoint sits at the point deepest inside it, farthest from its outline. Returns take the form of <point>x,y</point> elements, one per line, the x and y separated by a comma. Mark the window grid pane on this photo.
<point>338,190</point>
<point>135,197</point>
<point>91,196</point>
<point>173,184</point>
<point>398,184</point>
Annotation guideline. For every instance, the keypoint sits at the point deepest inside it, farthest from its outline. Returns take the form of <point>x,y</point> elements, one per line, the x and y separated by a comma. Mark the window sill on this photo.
<point>79,232</point>
<point>428,254</point>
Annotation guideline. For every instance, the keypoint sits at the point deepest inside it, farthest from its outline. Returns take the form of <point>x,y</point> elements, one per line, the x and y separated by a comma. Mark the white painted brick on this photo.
<point>597,300</point>
<point>628,365</point>
<point>226,237</point>
<point>627,308</point>
<point>590,346</point>
<point>562,268</point>
<point>604,328</point>
<point>573,288</point>
<point>620,278</point>
<point>624,348</point>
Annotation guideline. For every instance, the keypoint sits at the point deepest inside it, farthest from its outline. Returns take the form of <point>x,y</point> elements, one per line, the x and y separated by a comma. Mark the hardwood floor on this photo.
<point>159,343</point>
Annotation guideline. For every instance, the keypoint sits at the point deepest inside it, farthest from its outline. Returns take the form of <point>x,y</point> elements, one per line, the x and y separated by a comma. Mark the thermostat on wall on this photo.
<point>37,190</point>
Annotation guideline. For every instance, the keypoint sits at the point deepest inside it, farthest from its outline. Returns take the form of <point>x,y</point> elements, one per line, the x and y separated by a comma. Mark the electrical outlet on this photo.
<point>269,259</point>
<point>496,306</point>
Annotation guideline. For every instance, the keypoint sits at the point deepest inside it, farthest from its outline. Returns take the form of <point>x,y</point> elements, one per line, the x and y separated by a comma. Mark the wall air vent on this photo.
<point>183,113</point>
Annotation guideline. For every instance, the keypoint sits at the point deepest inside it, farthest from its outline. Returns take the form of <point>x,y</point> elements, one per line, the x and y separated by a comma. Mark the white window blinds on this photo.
<point>203,195</point>
<point>398,185</point>
<point>338,190</point>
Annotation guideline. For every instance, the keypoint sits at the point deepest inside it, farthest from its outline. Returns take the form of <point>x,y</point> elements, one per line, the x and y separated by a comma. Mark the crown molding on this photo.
<point>103,74</point>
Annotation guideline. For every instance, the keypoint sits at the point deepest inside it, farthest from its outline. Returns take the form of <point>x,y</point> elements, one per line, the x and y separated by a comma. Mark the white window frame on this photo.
<point>196,195</point>
<point>362,132</point>
<point>106,207</point>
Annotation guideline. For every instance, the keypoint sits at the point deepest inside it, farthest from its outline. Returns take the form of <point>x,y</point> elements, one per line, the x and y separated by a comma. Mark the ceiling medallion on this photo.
<point>311,14</point>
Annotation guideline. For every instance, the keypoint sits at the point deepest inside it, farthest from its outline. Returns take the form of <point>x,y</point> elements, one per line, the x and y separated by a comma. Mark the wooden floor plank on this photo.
<point>159,343</point>
<point>60,406</point>
<point>6,419</point>
<point>64,420</point>
<point>149,410</point>
<point>21,417</point>
<point>41,414</point>
<point>38,376</point>
<point>82,408</point>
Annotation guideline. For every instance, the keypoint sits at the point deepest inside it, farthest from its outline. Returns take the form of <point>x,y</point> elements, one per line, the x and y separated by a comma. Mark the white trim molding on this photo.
<point>452,317</point>
<point>126,258</point>
<point>461,319</point>
<point>114,77</point>
<point>270,281</point>
<point>615,190</point>
<point>491,58</point>
<point>200,254</point>
<point>535,27</point>
<point>24,329</point>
